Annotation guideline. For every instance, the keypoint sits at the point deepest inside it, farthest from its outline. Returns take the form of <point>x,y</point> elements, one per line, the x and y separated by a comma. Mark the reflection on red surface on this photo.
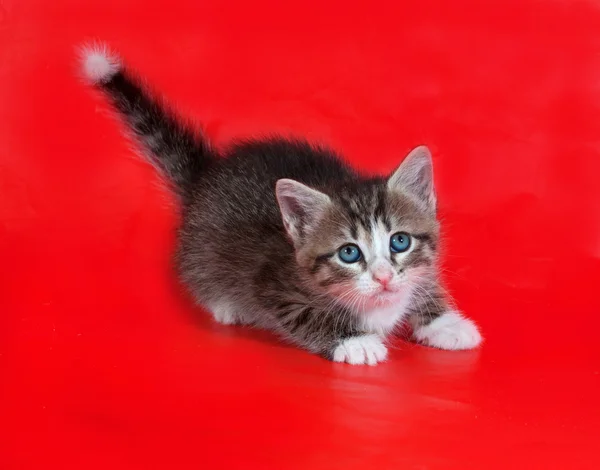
<point>102,360</point>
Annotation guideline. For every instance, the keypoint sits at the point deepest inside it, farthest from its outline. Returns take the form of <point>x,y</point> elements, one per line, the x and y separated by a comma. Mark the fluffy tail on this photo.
<point>175,149</point>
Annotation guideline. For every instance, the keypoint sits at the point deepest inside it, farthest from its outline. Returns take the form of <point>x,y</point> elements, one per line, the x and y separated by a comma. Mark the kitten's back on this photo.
<point>245,177</point>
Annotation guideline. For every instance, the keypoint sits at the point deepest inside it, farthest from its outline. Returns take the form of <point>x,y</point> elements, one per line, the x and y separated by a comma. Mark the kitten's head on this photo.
<point>370,243</point>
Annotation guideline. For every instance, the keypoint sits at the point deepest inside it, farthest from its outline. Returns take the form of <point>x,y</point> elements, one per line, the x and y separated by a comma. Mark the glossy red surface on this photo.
<point>105,364</point>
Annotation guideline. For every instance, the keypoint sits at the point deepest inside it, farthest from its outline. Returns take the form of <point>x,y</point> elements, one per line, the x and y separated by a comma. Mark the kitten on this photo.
<point>283,235</point>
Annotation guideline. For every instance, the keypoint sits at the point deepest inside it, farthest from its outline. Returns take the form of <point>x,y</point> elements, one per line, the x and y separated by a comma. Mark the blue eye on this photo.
<point>349,253</point>
<point>400,242</point>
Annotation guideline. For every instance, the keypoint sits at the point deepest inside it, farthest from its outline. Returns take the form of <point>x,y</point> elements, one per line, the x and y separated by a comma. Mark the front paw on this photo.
<point>449,331</point>
<point>365,349</point>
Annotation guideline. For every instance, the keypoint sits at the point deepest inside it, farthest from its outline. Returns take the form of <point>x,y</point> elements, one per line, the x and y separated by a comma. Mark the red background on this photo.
<point>102,363</point>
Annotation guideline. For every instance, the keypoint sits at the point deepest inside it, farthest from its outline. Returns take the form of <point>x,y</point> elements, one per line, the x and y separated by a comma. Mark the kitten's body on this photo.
<point>235,253</point>
<point>263,223</point>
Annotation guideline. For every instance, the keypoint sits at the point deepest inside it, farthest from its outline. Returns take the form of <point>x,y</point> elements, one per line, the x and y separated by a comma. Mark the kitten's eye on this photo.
<point>400,242</point>
<point>349,253</point>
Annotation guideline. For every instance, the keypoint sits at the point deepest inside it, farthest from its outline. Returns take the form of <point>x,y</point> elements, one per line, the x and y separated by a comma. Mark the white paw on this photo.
<point>449,331</point>
<point>222,313</point>
<point>366,349</point>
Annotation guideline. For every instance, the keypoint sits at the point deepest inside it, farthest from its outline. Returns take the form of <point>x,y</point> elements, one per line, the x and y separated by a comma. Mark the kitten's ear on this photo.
<point>415,176</point>
<point>301,207</point>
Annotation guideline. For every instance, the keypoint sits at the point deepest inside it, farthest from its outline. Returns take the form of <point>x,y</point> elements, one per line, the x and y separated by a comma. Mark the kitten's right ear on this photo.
<point>301,207</point>
<point>415,176</point>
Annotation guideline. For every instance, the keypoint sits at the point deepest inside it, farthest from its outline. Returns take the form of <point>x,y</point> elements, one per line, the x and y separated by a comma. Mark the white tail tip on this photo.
<point>99,63</point>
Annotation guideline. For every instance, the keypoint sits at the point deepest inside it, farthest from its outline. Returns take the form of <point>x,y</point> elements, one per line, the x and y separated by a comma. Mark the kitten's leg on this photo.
<point>436,325</point>
<point>333,333</point>
<point>223,312</point>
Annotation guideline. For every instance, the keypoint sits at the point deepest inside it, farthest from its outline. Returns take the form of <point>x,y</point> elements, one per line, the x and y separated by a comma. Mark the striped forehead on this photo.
<point>366,210</point>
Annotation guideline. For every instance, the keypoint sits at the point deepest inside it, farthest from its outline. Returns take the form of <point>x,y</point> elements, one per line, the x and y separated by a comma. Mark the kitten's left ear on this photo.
<point>415,176</point>
<point>301,207</point>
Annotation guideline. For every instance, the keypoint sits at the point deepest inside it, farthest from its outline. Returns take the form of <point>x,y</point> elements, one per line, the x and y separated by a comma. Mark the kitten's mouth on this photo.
<point>382,297</point>
<point>385,297</point>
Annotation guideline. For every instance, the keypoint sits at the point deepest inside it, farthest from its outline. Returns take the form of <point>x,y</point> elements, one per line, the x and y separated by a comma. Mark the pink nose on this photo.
<point>383,276</point>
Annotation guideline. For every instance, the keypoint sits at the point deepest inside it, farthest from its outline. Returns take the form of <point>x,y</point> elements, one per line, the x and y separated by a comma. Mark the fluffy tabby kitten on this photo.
<point>283,235</point>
